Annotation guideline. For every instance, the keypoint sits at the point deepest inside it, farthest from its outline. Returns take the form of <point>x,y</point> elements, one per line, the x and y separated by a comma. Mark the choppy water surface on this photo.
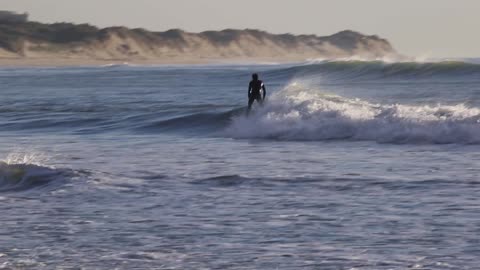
<point>349,165</point>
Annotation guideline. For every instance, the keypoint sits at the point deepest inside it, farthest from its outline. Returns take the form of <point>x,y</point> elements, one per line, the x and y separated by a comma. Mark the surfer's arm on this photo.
<point>250,90</point>
<point>264,91</point>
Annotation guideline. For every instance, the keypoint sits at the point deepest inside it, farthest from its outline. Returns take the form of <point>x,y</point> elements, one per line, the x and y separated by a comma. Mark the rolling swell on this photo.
<point>344,183</point>
<point>298,113</point>
<point>205,121</point>
<point>381,70</point>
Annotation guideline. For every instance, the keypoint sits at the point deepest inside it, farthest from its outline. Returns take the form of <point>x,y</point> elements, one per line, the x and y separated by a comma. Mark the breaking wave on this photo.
<point>301,113</point>
<point>21,173</point>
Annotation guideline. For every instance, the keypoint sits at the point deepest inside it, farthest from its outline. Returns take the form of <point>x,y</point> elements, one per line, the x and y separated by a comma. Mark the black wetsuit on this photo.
<point>254,92</point>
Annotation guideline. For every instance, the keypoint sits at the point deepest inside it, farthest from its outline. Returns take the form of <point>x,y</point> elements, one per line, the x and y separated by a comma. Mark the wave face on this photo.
<point>193,123</point>
<point>300,113</point>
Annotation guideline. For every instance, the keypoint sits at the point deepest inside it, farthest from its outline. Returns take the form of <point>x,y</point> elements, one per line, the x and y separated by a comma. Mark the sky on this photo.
<point>419,28</point>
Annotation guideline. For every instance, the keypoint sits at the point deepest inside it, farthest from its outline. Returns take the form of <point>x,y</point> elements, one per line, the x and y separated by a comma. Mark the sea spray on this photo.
<point>26,157</point>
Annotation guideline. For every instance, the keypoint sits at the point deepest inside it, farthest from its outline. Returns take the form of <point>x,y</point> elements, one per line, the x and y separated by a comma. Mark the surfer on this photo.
<point>256,91</point>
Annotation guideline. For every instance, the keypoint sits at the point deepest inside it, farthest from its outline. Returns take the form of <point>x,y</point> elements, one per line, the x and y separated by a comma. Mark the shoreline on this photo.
<point>11,62</point>
<point>68,62</point>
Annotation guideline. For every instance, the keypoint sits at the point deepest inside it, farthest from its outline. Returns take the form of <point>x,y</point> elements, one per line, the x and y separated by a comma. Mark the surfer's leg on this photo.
<point>260,100</point>
<point>250,102</point>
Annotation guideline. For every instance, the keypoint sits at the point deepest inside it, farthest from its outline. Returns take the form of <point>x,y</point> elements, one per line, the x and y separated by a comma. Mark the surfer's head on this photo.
<point>255,76</point>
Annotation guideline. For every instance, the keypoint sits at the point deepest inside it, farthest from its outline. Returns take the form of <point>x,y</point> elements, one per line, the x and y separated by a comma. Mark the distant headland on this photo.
<point>22,41</point>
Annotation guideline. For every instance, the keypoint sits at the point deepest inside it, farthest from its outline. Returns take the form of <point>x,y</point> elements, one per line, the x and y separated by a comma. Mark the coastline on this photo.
<point>74,62</point>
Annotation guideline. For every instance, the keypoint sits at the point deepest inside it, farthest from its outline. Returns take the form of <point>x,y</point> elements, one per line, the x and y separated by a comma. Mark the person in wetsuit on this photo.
<point>254,91</point>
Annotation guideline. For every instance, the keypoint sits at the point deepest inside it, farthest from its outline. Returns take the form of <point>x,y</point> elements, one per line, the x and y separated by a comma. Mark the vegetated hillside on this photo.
<point>71,41</point>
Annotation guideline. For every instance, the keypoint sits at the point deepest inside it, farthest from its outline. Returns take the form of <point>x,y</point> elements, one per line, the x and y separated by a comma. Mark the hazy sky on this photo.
<point>423,28</point>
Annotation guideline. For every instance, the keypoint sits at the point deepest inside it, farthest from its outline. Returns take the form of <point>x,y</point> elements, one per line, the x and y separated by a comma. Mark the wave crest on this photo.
<point>299,113</point>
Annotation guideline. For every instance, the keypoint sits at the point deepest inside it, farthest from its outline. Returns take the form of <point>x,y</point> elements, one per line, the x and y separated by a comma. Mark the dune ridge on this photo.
<point>83,42</point>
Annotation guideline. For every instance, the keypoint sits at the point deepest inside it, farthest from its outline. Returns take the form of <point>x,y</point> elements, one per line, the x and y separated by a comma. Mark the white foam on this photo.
<point>301,113</point>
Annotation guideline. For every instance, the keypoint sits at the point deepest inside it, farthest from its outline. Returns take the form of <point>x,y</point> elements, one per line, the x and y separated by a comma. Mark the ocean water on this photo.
<point>348,165</point>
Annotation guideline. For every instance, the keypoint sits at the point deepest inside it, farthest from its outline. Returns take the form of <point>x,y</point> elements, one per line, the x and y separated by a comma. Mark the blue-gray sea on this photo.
<point>347,165</point>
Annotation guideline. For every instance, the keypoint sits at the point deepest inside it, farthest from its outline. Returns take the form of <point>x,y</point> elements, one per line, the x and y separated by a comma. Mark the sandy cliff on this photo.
<point>64,41</point>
